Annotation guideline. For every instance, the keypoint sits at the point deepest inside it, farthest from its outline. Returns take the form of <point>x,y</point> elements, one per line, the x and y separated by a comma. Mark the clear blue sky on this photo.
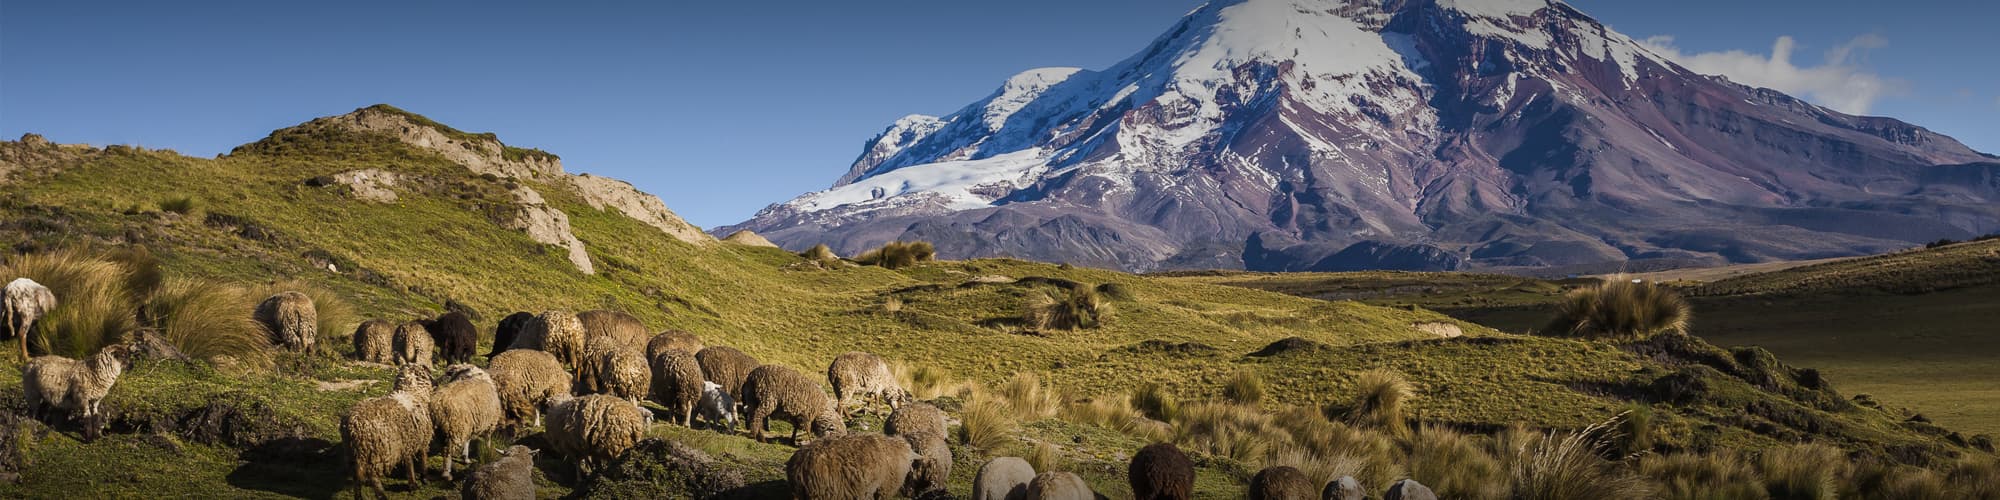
<point>723,107</point>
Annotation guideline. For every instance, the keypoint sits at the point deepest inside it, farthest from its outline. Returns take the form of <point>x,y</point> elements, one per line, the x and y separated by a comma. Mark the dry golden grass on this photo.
<point>94,306</point>
<point>1620,309</point>
<point>1245,387</point>
<point>1714,476</point>
<point>1454,465</point>
<point>1804,471</point>
<point>987,425</point>
<point>209,320</point>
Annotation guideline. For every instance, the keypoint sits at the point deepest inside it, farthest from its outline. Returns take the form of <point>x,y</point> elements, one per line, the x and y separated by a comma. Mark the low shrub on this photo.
<point>1620,310</point>
<point>1377,404</point>
<point>1080,308</point>
<point>899,254</point>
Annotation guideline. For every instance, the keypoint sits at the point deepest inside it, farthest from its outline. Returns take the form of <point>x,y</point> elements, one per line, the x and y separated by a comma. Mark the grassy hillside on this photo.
<point>259,216</point>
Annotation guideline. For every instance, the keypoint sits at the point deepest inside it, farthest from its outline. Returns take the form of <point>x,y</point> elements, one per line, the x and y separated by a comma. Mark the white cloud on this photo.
<point>1840,82</point>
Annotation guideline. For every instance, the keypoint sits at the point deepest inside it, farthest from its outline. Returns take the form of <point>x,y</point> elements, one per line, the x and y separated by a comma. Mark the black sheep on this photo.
<point>510,327</point>
<point>455,337</point>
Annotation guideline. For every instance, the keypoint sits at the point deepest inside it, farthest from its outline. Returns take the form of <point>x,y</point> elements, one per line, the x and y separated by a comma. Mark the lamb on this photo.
<point>593,430</point>
<point>525,380</point>
<point>1161,472</point>
<point>1004,478</point>
<point>465,407</point>
<point>512,477</point>
<point>624,328</point>
<point>375,342</point>
<point>384,432</point>
<point>1059,486</point>
<point>455,337</point>
<point>1409,489</point>
<point>727,366</point>
<point>933,465</point>
<point>862,374</point>
<point>777,391</point>
<point>291,320</point>
<point>509,329</point>
<point>677,384</point>
<point>1282,483</point>
<point>613,368</point>
<point>717,407</point>
<point>915,418</point>
<point>413,344</point>
<point>556,332</point>
<point>27,302</point>
<point>1346,488</point>
<point>77,387</point>
<point>859,466</point>
<point>674,340</point>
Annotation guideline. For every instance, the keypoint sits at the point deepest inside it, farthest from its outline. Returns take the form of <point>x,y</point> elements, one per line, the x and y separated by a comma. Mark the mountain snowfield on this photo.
<point>1422,134</point>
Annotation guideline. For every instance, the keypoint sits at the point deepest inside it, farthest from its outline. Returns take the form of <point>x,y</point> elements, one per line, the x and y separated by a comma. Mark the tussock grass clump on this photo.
<point>1116,414</point>
<point>1044,457</point>
<point>1803,471</point>
<point>822,255</point>
<point>987,425</point>
<point>144,276</point>
<point>184,205</point>
<point>1338,449</point>
<point>1241,433</point>
<point>899,254</point>
<point>94,302</point>
<point>1570,467</point>
<point>1080,308</point>
<point>1455,466</point>
<point>1687,476</point>
<point>1900,482</point>
<point>1635,430</point>
<point>1377,404</point>
<point>1246,387</point>
<point>208,320</point>
<point>929,382</point>
<point>1115,291</point>
<point>1975,476</point>
<point>1153,401</point>
<point>1025,394</point>
<point>1620,310</point>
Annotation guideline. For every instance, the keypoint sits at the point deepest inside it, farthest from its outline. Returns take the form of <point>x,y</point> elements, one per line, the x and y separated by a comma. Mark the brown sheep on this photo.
<point>593,430</point>
<point>673,339</point>
<point>290,319</point>
<point>780,392</point>
<point>556,332</point>
<point>851,467</point>
<point>726,366</point>
<point>624,328</point>
<point>509,329</point>
<point>512,477</point>
<point>1004,478</point>
<point>375,342</point>
<point>465,407</point>
<point>1282,483</point>
<point>1161,472</point>
<point>386,432</point>
<point>413,344</point>
<point>677,384</point>
<point>525,381</point>
<point>1059,486</point>
<point>613,368</point>
<point>860,374</point>
<point>915,418</point>
<point>933,467</point>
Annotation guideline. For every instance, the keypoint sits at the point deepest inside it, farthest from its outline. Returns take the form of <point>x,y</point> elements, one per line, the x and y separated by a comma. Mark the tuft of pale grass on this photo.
<point>987,425</point>
<point>1715,476</point>
<point>928,382</point>
<point>1803,471</point>
<point>892,305</point>
<point>1378,403</point>
<point>822,255</point>
<point>183,205</point>
<point>208,320</point>
<point>1153,401</point>
<point>1902,482</point>
<point>1455,466</point>
<point>1570,467</point>
<point>144,276</point>
<point>94,304</point>
<point>1025,394</point>
<point>1241,433</point>
<point>1245,387</point>
<point>1635,430</point>
<point>1116,414</point>
<point>1620,309</point>
<point>1975,476</point>
<point>1080,308</point>
<point>1044,457</point>
<point>1342,450</point>
<point>899,254</point>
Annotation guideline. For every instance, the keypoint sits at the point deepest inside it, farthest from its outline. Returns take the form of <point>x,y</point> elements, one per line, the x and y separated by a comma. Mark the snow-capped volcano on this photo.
<point>1323,134</point>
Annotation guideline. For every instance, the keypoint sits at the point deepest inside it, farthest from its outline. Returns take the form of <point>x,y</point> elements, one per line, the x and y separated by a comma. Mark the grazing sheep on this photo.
<point>27,302</point>
<point>1282,483</point>
<point>1409,489</point>
<point>624,328</point>
<point>933,465</point>
<point>613,368</point>
<point>525,381</point>
<point>727,366</point>
<point>1059,486</point>
<point>512,477</point>
<point>1161,472</point>
<point>413,344</point>
<point>593,430</point>
<point>465,407</point>
<point>1004,478</point>
<point>375,342</point>
<point>291,320</point>
<point>75,386</point>
<point>675,340</point>
<point>851,467</point>
<point>382,433</point>
<point>677,384</point>
<point>455,337</point>
<point>780,392</point>
<point>915,418</point>
<point>865,375</point>
<point>717,407</point>
<point>555,332</point>
<point>1346,488</point>
<point>509,330</point>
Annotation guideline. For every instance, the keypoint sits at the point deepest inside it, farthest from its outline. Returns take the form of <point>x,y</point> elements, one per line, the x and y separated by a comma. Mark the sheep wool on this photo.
<point>1059,486</point>
<point>863,375</point>
<point>773,391</point>
<point>413,344</point>
<point>672,340</point>
<point>375,342</point>
<point>556,332</point>
<point>624,328</point>
<point>509,329</point>
<point>727,366</point>
<point>1004,478</point>
<point>385,432</point>
<point>915,418</point>
<point>455,336</point>
<point>1161,472</point>
<point>716,407</point>
<point>613,368</point>
<point>291,320</point>
<point>859,466</point>
<point>464,408</point>
<point>677,384</point>
<point>27,301</point>
<point>512,477</point>
<point>933,465</point>
<point>77,387</point>
<point>1282,483</point>
<point>595,429</point>
<point>525,380</point>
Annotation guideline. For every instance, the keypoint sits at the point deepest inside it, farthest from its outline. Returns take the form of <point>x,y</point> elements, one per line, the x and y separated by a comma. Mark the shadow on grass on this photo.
<point>297,467</point>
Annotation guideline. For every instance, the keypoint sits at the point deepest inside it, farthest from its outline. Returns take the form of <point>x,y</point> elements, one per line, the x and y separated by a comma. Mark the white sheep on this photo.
<point>593,430</point>
<point>717,407</point>
<point>385,432</point>
<point>464,407</point>
<point>77,387</point>
<point>864,375</point>
<point>27,302</point>
<point>527,380</point>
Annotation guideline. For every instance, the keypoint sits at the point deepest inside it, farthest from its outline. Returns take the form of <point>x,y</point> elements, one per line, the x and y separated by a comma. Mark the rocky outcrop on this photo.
<point>480,153</point>
<point>547,225</point>
<point>607,193</point>
<point>372,184</point>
